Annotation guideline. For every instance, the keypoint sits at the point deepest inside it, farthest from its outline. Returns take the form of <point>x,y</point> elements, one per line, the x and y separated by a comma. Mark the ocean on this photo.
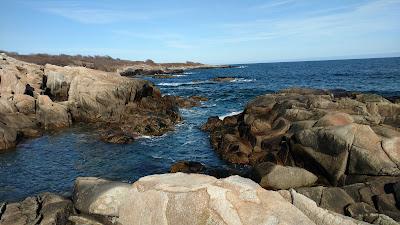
<point>52,162</point>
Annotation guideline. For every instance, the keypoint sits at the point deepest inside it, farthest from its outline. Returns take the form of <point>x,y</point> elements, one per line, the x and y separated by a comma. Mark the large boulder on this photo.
<point>186,199</point>
<point>283,177</point>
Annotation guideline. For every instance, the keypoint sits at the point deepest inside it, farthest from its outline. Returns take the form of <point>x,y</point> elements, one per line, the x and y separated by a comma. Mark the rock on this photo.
<point>335,199</point>
<point>116,137</point>
<point>184,102</point>
<point>279,177</point>
<point>386,204</point>
<point>379,219</point>
<point>179,198</point>
<point>83,220</point>
<point>396,188</point>
<point>54,96</point>
<point>333,134</point>
<point>45,209</point>
<point>318,215</point>
<point>24,104</point>
<point>212,123</point>
<point>313,193</point>
<point>52,115</point>
<point>359,210</point>
<point>187,167</point>
<point>98,196</point>
<point>223,79</point>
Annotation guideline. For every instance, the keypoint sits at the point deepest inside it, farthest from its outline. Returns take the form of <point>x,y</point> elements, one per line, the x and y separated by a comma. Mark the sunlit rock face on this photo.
<point>52,97</point>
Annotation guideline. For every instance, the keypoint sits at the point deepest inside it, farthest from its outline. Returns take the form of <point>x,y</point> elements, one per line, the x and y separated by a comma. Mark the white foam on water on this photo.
<point>242,80</point>
<point>176,84</point>
<point>230,114</point>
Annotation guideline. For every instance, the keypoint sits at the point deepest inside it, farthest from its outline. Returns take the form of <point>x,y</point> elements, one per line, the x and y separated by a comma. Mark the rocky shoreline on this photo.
<point>163,71</point>
<point>340,149</point>
<point>316,156</point>
<point>36,98</point>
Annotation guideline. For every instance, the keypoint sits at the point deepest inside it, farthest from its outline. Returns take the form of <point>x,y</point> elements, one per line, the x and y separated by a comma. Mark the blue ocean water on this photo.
<point>53,161</point>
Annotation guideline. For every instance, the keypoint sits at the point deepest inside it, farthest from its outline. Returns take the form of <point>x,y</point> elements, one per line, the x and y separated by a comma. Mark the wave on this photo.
<point>242,67</point>
<point>188,73</point>
<point>180,75</point>
<point>230,114</point>
<point>242,80</point>
<point>176,84</point>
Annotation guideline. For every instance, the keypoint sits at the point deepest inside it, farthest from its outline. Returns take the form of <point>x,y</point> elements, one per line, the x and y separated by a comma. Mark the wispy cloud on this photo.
<point>273,4</point>
<point>90,13</point>
<point>358,19</point>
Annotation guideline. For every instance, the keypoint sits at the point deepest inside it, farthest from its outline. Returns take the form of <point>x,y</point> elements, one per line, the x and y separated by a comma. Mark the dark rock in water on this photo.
<point>187,167</point>
<point>359,209</point>
<point>116,137</point>
<point>212,124</point>
<point>149,72</point>
<point>223,79</point>
<point>45,209</point>
<point>184,102</point>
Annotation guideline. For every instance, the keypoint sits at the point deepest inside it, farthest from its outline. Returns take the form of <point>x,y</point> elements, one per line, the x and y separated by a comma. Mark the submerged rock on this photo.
<point>223,79</point>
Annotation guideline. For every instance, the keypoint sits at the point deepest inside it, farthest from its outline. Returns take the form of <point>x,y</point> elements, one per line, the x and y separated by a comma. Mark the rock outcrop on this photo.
<point>179,198</point>
<point>45,209</point>
<point>343,138</point>
<point>53,97</point>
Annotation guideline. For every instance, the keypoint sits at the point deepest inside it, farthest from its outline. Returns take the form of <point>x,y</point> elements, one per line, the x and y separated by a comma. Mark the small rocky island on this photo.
<point>316,157</point>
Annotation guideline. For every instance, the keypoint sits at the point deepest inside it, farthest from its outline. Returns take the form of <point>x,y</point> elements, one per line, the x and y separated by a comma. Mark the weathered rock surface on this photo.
<point>52,97</point>
<point>45,209</point>
<point>195,199</point>
<point>358,200</point>
<point>278,177</point>
<point>343,138</point>
<point>179,198</point>
<point>339,136</point>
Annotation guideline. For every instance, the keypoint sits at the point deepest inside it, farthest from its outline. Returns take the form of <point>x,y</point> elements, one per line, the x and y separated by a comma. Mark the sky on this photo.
<point>208,31</point>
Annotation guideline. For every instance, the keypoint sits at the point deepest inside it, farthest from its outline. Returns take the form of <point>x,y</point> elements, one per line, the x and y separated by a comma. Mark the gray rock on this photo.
<point>284,177</point>
<point>98,196</point>
<point>359,210</point>
<point>386,204</point>
<point>313,193</point>
<point>335,199</point>
<point>45,209</point>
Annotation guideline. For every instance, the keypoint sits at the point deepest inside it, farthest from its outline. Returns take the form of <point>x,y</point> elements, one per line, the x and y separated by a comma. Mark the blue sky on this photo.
<point>225,31</point>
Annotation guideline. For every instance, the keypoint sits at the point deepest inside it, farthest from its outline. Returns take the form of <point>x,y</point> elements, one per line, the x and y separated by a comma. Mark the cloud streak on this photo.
<point>87,13</point>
